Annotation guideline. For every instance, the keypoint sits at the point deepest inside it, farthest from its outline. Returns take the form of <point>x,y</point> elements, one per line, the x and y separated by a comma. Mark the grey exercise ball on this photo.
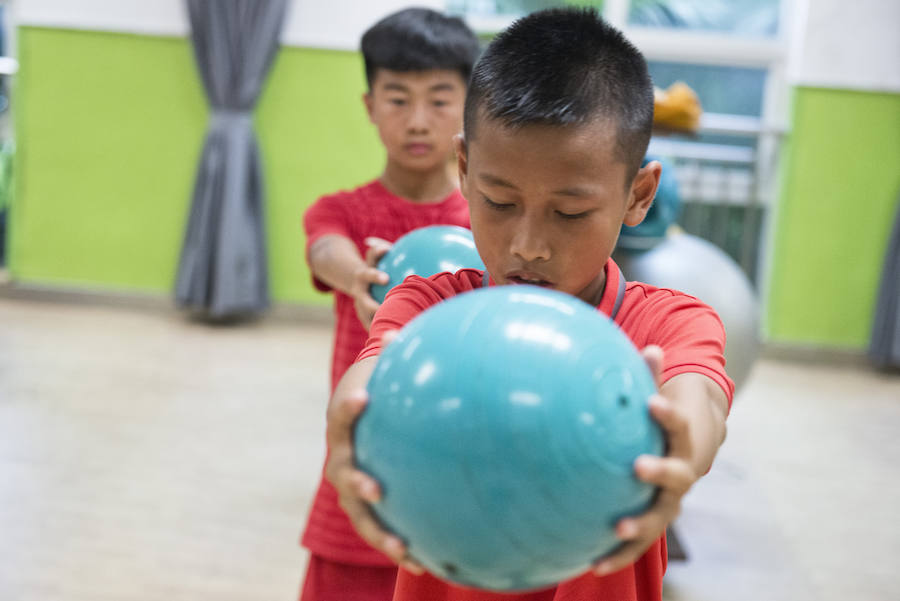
<point>696,267</point>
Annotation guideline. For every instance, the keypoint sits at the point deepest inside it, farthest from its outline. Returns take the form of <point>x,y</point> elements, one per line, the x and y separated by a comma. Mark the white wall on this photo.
<point>835,43</point>
<point>334,24</point>
<point>848,45</point>
<point>340,24</point>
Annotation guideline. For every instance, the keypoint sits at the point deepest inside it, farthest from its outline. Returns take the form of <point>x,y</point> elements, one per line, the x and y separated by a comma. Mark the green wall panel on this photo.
<point>109,129</point>
<point>840,178</point>
<point>315,138</point>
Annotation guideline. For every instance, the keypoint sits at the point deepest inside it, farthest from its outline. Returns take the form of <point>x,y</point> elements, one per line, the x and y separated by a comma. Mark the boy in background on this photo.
<point>557,121</point>
<point>417,64</point>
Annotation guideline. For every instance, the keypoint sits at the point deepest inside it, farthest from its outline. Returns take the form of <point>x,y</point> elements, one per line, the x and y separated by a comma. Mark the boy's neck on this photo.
<point>418,186</point>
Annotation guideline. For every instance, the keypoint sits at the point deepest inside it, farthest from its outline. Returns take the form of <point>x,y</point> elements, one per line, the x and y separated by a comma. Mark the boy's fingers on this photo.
<point>653,357</point>
<point>370,275</point>
<point>342,414</point>
<point>369,528</point>
<point>396,550</point>
<point>411,565</point>
<point>638,533</point>
<point>675,423</point>
<point>669,473</point>
<point>377,249</point>
<point>376,242</point>
<point>650,525</point>
<point>626,555</point>
<point>363,486</point>
<point>371,531</point>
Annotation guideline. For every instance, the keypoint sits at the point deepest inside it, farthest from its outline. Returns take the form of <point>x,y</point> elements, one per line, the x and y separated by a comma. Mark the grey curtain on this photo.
<point>884,349</point>
<point>222,272</point>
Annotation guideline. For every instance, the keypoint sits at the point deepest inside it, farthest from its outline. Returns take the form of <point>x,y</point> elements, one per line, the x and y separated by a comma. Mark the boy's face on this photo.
<point>417,113</point>
<point>547,202</point>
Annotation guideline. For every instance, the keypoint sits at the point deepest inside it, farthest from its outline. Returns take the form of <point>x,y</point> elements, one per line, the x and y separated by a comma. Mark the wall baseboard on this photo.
<point>777,351</point>
<point>804,353</point>
<point>145,302</point>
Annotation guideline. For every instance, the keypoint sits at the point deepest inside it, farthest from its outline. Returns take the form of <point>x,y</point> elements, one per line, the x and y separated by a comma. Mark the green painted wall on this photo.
<point>840,178</point>
<point>109,128</point>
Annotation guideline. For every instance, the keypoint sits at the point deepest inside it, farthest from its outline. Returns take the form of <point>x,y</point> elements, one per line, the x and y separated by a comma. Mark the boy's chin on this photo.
<point>419,164</point>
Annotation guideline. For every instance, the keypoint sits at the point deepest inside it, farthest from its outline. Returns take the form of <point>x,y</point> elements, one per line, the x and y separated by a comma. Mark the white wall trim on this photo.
<point>849,46</point>
<point>833,44</point>
<point>705,48</point>
<point>336,24</point>
<point>148,17</point>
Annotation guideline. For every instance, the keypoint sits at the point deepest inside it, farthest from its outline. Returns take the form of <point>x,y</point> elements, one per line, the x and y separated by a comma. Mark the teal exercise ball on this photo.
<point>425,252</point>
<point>503,425</point>
<point>663,212</point>
<point>699,268</point>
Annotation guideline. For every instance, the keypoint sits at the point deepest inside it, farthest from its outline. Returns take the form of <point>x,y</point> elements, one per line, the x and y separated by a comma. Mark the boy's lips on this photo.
<point>528,277</point>
<point>418,148</point>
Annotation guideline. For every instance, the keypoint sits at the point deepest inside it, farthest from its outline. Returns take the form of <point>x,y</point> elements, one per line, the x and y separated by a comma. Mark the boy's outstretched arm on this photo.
<point>335,260</point>
<point>691,408</point>
<point>355,488</point>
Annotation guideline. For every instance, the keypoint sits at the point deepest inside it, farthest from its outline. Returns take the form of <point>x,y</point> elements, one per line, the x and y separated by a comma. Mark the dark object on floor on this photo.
<point>2,237</point>
<point>676,551</point>
<point>884,349</point>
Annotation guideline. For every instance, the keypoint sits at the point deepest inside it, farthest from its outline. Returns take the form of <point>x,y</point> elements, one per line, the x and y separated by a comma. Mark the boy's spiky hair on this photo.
<point>419,39</point>
<point>563,67</point>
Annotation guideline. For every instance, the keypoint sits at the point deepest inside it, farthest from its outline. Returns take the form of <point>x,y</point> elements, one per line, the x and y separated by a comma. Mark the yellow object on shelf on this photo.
<point>677,108</point>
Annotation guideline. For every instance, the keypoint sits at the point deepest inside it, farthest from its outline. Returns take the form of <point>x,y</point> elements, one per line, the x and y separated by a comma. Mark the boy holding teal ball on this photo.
<point>417,64</point>
<point>557,120</point>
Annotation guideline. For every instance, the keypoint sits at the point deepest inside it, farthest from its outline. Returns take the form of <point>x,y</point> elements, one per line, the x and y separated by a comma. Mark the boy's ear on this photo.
<point>462,158</point>
<point>643,190</point>
<point>368,101</point>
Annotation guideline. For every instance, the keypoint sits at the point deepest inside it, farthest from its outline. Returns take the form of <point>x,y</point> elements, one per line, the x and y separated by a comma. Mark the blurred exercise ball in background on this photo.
<point>503,425</point>
<point>699,268</point>
<point>425,252</point>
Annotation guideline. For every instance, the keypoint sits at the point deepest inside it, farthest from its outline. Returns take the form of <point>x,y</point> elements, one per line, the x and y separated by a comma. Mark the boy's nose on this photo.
<point>418,118</point>
<point>529,244</point>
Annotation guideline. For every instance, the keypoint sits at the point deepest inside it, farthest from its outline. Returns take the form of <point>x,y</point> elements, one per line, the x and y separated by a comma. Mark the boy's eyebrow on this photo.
<point>576,192</point>
<point>493,180</point>
<point>396,86</point>
<point>440,87</point>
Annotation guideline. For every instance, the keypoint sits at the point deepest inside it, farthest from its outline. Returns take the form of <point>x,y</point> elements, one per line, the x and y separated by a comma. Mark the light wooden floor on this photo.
<point>144,457</point>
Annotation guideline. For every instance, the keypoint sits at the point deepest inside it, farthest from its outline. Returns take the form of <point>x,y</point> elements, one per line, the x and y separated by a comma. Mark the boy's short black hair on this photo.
<point>419,39</point>
<point>562,67</point>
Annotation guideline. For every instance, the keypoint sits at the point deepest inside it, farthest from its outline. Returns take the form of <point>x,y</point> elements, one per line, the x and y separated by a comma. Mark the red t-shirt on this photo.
<point>693,339</point>
<point>370,210</point>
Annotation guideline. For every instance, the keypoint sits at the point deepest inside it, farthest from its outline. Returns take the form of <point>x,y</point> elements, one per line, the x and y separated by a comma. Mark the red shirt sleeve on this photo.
<point>328,215</point>
<point>689,332</point>
<point>412,297</point>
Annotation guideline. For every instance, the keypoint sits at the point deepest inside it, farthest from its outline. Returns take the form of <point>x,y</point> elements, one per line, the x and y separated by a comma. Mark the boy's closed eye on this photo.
<point>497,206</point>
<point>573,216</point>
<point>503,206</point>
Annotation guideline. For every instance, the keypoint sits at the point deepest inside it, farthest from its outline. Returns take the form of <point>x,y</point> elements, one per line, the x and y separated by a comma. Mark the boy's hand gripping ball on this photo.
<point>425,252</point>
